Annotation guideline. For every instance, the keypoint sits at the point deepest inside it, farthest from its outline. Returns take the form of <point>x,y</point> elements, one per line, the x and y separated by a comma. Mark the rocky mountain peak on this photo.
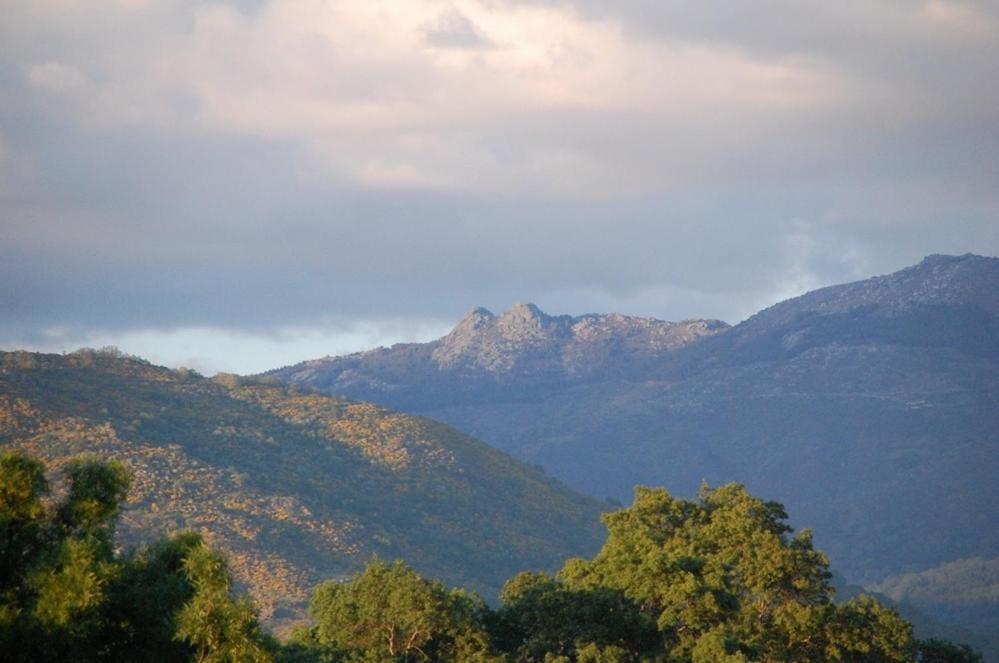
<point>524,322</point>
<point>475,320</point>
<point>524,314</point>
<point>525,339</point>
<point>525,310</point>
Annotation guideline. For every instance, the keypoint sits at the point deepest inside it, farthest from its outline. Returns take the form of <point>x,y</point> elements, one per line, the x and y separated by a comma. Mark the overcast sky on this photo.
<point>237,186</point>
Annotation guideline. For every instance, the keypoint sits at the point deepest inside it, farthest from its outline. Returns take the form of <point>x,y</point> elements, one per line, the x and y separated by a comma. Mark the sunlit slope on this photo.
<point>295,486</point>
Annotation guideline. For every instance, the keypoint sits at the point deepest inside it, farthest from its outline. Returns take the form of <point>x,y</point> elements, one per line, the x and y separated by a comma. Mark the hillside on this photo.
<point>964,591</point>
<point>869,409</point>
<point>294,486</point>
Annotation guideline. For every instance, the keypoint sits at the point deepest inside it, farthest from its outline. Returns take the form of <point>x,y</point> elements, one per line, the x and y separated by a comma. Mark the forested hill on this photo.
<point>294,486</point>
<point>869,408</point>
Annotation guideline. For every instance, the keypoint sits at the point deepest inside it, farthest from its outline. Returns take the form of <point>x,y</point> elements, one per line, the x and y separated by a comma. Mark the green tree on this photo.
<point>144,601</point>
<point>389,613</point>
<point>724,580</point>
<point>65,595</point>
<point>220,628</point>
<point>22,527</point>
<point>61,563</point>
<point>23,534</point>
<point>541,617</point>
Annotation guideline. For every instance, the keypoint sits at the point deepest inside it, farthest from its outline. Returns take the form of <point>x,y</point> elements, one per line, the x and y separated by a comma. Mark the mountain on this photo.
<point>295,486</point>
<point>519,352</point>
<point>870,409</point>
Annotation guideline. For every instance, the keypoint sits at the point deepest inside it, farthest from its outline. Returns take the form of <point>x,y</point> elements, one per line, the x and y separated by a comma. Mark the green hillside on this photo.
<point>294,486</point>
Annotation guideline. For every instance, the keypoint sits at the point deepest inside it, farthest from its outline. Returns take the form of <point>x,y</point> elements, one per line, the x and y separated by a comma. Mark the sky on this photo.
<point>236,186</point>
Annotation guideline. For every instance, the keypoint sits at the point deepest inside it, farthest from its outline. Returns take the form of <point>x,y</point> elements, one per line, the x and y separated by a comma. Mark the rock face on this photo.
<point>526,341</point>
<point>523,348</point>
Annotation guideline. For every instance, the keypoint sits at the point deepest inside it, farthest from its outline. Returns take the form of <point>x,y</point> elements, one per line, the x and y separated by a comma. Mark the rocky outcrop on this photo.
<point>525,339</point>
<point>523,342</point>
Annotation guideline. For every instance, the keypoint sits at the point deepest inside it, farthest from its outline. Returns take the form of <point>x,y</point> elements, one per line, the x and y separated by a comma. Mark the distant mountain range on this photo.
<point>870,409</point>
<point>294,486</point>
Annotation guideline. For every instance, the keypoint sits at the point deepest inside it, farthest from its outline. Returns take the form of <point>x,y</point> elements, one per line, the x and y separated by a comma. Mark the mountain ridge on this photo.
<point>875,383</point>
<point>523,348</point>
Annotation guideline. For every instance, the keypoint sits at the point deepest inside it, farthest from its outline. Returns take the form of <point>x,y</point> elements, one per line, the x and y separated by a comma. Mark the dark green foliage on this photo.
<point>940,651</point>
<point>22,484</point>
<point>389,613</point>
<point>67,596</point>
<point>716,580</point>
<point>60,563</point>
<point>541,616</point>
<point>96,491</point>
<point>143,603</point>
<point>719,579</point>
<point>723,580</point>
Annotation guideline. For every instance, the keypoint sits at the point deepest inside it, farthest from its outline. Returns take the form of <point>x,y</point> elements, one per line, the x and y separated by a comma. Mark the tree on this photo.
<point>60,563</point>
<point>723,580</point>
<point>389,613</point>
<point>541,617</point>
<point>66,595</point>
<point>22,525</point>
<point>221,629</point>
<point>144,601</point>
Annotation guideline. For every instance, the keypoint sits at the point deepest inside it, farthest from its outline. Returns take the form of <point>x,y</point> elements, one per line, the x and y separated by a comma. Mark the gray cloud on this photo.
<point>452,29</point>
<point>189,166</point>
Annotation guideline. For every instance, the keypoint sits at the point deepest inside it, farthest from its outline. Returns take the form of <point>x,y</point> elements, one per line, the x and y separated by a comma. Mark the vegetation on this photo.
<point>717,579</point>
<point>965,582</point>
<point>964,592</point>
<point>65,595</point>
<point>388,612</point>
<point>294,487</point>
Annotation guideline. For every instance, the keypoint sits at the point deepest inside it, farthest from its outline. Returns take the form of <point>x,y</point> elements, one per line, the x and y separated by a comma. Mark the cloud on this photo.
<point>452,29</point>
<point>214,350</point>
<point>255,166</point>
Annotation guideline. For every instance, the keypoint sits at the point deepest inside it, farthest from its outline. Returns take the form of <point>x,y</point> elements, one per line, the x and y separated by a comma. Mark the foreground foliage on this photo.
<point>65,595</point>
<point>716,579</point>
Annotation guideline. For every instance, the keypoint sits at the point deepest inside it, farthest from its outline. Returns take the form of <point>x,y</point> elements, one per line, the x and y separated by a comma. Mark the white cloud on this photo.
<point>212,350</point>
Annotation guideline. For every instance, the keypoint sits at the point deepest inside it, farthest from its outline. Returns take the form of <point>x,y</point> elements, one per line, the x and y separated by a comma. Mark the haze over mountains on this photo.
<point>871,409</point>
